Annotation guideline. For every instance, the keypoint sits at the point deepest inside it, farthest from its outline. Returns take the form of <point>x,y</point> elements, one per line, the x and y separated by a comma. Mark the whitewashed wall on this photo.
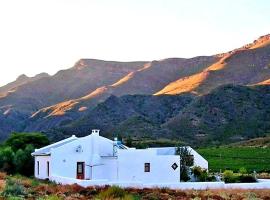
<point>107,170</point>
<point>198,159</point>
<point>43,173</point>
<point>131,166</point>
<point>65,158</point>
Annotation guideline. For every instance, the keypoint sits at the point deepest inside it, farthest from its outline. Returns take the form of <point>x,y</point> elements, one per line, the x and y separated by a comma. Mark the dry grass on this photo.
<point>47,190</point>
<point>182,85</point>
<point>3,175</point>
<point>263,175</point>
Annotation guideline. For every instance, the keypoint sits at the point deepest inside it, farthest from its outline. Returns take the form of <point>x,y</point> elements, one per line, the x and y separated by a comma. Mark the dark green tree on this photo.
<point>23,161</point>
<point>15,153</point>
<point>6,160</point>
<point>129,141</point>
<point>186,161</point>
<point>20,140</point>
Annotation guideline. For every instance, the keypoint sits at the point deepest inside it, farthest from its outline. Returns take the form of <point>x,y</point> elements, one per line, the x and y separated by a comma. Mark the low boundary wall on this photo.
<point>262,184</point>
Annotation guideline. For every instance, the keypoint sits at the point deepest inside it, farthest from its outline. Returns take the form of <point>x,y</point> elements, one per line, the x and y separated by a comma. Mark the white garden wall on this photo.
<point>180,185</point>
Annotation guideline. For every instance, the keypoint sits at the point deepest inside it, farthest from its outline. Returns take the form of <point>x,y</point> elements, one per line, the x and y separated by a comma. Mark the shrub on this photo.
<point>247,179</point>
<point>14,198</point>
<point>34,182</point>
<point>229,176</point>
<point>242,170</point>
<point>184,175</point>
<point>211,178</point>
<point>23,160</point>
<point>6,160</point>
<point>53,197</point>
<point>196,171</point>
<point>201,174</point>
<point>13,188</point>
<point>112,192</point>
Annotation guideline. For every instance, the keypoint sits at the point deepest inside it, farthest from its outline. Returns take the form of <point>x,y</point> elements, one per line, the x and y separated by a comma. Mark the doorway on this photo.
<point>80,170</point>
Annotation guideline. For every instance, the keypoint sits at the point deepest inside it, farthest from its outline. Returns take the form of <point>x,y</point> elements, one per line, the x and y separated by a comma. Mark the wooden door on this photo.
<point>80,170</point>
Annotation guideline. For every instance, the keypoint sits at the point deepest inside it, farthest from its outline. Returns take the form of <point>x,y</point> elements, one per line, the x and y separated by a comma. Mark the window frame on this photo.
<point>48,168</point>
<point>147,167</point>
<point>82,167</point>
<point>38,168</point>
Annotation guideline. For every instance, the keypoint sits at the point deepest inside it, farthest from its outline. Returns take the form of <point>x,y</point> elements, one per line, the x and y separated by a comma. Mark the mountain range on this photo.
<point>204,99</point>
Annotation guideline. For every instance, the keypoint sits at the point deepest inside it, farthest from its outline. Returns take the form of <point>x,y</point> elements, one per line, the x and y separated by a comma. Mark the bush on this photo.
<point>13,188</point>
<point>6,160</point>
<point>247,179</point>
<point>23,161</point>
<point>229,176</point>
<point>201,174</point>
<point>242,170</point>
<point>53,197</point>
<point>112,193</point>
<point>34,182</point>
<point>184,175</point>
<point>15,198</point>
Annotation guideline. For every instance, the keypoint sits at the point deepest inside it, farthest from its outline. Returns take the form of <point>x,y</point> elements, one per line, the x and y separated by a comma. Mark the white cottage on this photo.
<point>95,160</point>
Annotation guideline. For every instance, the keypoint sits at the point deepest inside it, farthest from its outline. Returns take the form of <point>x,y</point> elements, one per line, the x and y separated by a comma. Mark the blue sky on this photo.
<point>49,35</point>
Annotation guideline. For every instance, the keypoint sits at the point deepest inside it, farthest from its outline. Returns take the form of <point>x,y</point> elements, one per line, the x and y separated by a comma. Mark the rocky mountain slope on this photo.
<point>247,65</point>
<point>146,80</point>
<point>58,104</point>
<point>21,80</point>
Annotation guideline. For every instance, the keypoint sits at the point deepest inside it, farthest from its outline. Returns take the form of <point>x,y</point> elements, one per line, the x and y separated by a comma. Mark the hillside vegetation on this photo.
<point>228,114</point>
<point>256,142</point>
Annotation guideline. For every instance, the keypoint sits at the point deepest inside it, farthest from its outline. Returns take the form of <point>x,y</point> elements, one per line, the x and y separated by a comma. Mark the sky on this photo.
<point>49,35</point>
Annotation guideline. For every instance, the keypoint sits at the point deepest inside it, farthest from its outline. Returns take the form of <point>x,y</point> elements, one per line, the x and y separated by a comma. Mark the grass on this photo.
<point>233,158</point>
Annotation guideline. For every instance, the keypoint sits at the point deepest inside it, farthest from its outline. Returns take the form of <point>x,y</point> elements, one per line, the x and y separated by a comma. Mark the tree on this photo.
<point>129,141</point>
<point>186,161</point>
<point>23,160</point>
<point>6,160</point>
<point>119,137</point>
<point>20,140</point>
<point>15,153</point>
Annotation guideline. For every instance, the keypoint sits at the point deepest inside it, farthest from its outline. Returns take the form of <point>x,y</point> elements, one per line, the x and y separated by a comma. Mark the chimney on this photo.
<point>95,132</point>
<point>95,159</point>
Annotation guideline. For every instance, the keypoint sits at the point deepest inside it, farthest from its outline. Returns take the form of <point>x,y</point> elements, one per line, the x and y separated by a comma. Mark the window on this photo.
<point>48,168</point>
<point>37,167</point>
<point>80,166</point>
<point>146,167</point>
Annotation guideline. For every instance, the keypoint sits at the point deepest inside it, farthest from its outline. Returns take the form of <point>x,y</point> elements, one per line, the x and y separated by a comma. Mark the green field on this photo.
<point>233,158</point>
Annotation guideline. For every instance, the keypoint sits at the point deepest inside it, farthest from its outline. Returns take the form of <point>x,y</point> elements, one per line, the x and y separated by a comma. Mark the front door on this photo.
<point>80,170</point>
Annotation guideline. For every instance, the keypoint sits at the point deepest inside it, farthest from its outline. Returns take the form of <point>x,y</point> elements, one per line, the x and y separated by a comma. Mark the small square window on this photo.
<point>174,166</point>
<point>146,167</point>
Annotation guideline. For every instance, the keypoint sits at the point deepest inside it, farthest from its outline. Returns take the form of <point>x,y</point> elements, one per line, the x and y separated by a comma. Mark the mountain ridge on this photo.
<point>56,101</point>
